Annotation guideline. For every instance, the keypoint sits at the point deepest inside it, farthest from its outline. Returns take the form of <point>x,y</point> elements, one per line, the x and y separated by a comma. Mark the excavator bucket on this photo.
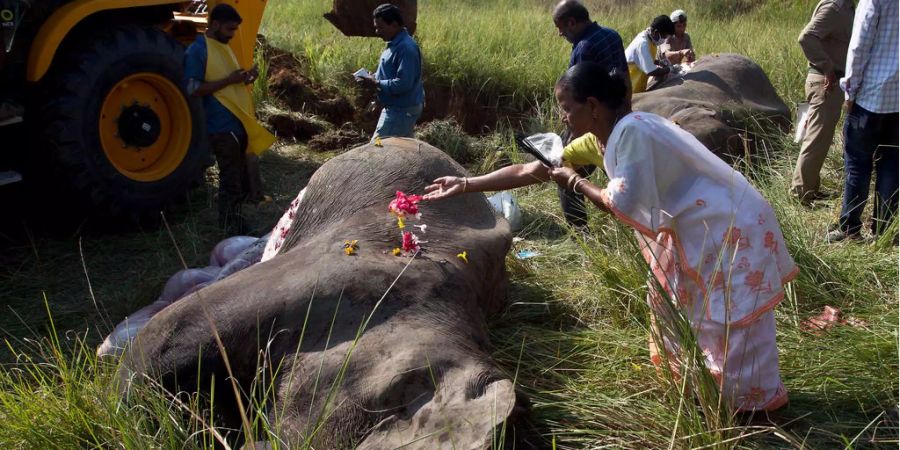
<point>354,17</point>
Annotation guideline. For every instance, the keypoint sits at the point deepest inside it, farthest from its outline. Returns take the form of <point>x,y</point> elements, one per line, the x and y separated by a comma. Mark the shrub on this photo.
<point>448,135</point>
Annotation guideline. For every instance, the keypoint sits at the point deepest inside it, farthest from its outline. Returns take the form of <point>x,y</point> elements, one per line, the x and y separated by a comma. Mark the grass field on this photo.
<point>575,332</point>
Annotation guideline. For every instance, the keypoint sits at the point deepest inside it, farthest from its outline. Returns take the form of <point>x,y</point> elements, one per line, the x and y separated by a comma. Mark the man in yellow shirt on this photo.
<point>641,54</point>
<point>214,74</point>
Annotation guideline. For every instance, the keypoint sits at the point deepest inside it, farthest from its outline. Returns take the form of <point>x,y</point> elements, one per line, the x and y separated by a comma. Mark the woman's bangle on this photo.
<point>571,180</point>
<point>465,183</point>
<point>575,186</point>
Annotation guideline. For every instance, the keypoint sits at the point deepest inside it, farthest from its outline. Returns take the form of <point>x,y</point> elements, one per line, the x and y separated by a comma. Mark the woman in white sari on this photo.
<point>711,240</point>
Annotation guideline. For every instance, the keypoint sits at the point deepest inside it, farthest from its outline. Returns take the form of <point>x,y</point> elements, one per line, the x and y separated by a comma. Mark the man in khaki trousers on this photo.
<point>824,42</point>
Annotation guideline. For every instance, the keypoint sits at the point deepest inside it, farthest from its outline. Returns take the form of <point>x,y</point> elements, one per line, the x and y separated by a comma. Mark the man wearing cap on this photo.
<point>824,41</point>
<point>678,47</point>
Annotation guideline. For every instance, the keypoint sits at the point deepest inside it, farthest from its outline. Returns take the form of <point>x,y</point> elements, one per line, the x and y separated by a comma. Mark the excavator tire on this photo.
<point>119,126</point>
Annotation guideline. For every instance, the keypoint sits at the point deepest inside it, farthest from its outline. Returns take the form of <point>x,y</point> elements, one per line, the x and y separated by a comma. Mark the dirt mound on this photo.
<point>343,138</point>
<point>288,84</point>
<point>473,110</point>
<point>294,126</point>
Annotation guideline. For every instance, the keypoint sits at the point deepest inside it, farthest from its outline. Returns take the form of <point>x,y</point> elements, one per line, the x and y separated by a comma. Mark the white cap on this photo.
<point>677,15</point>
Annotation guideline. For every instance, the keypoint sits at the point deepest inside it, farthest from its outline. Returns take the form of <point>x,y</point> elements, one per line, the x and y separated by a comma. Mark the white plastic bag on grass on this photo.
<point>507,206</point>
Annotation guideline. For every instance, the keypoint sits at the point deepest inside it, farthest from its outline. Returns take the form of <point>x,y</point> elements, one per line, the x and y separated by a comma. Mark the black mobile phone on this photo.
<point>527,147</point>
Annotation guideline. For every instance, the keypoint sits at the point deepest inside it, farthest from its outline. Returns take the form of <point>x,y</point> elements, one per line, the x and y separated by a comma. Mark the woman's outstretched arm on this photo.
<point>510,177</point>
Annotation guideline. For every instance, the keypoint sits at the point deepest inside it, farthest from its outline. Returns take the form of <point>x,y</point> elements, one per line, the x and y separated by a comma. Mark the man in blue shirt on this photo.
<point>590,41</point>
<point>227,137</point>
<point>593,43</point>
<point>399,75</point>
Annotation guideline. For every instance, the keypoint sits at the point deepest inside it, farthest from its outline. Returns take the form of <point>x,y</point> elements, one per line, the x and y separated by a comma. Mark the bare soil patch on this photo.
<point>338,139</point>
<point>290,86</point>
<point>476,110</point>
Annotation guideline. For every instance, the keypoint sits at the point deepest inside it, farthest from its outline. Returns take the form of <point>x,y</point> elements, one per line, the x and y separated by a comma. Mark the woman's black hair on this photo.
<point>590,79</point>
<point>663,24</point>
<point>388,13</point>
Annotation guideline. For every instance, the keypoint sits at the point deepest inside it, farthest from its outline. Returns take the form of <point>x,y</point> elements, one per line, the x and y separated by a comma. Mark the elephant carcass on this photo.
<point>726,101</point>
<point>372,350</point>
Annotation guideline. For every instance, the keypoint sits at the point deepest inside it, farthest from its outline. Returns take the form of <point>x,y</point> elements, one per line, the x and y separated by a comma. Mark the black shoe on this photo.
<point>823,195</point>
<point>839,235</point>
<point>808,198</point>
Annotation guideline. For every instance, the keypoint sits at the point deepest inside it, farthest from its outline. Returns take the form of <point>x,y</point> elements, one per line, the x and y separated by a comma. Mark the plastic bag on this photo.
<point>507,206</point>
<point>550,144</point>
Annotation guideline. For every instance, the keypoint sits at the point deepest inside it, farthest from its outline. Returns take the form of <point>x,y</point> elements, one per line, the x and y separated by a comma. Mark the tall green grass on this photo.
<point>510,49</point>
<point>575,332</point>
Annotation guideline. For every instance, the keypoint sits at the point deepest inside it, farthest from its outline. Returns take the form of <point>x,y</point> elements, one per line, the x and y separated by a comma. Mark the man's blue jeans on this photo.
<point>397,122</point>
<point>869,138</point>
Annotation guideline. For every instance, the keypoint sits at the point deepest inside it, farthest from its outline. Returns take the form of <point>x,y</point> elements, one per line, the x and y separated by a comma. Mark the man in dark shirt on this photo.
<point>590,42</point>
<point>227,137</point>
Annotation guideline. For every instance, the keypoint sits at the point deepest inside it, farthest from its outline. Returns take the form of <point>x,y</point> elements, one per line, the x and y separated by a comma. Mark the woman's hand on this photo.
<point>444,187</point>
<point>561,175</point>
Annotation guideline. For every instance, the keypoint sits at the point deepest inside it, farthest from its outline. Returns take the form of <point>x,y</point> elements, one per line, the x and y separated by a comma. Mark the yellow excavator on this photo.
<point>97,88</point>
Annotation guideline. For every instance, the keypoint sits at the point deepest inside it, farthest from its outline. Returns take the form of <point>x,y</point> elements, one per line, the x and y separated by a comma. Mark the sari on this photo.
<point>713,246</point>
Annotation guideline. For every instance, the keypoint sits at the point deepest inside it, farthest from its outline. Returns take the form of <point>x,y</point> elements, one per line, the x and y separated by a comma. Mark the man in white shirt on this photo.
<point>642,53</point>
<point>870,130</point>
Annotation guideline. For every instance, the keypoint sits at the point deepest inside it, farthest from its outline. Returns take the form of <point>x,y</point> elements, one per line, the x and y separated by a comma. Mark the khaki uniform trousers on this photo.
<point>821,120</point>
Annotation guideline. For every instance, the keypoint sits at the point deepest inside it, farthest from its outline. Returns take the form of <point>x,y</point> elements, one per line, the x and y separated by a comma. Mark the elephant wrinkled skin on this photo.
<point>419,373</point>
<point>726,101</point>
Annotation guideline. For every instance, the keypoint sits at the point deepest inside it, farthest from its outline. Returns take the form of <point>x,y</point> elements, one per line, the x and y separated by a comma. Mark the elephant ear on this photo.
<point>467,410</point>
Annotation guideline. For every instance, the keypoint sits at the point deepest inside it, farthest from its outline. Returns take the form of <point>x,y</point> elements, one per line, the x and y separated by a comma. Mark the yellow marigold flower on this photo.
<point>400,222</point>
<point>350,247</point>
<point>396,251</point>
<point>463,256</point>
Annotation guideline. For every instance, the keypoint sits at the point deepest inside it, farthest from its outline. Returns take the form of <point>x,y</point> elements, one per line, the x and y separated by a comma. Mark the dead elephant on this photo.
<point>726,101</point>
<point>361,351</point>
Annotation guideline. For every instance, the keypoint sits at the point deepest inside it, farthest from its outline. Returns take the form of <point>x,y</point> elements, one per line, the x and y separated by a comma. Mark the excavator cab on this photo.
<point>97,87</point>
